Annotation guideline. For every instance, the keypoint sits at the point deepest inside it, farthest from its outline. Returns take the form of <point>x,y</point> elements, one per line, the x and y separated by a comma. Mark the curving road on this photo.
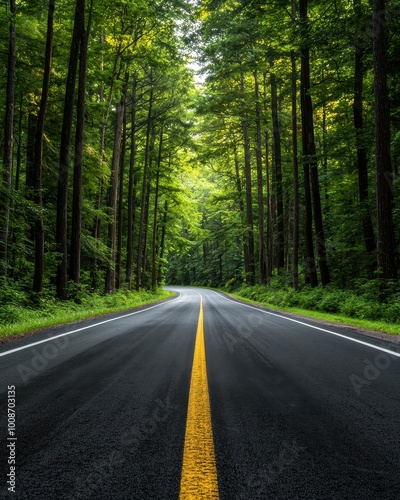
<point>285,409</point>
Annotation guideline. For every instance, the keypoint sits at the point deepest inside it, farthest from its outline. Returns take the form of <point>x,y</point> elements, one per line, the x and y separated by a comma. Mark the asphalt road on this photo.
<point>298,410</point>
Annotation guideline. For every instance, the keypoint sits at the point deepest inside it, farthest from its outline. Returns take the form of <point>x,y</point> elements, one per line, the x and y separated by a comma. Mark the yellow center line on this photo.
<point>199,471</point>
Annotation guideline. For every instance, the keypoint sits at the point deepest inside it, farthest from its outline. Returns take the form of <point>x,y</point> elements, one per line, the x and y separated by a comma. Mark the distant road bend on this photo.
<point>200,397</point>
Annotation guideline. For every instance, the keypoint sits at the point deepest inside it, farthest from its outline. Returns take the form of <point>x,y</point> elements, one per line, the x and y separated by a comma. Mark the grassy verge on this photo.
<point>17,319</point>
<point>328,305</point>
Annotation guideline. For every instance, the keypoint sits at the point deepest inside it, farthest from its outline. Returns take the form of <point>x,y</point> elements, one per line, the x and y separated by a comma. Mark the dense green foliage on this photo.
<point>135,58</point>
<point>239,41</point>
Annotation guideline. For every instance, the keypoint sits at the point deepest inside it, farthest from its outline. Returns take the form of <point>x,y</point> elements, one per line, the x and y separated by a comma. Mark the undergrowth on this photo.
<point>20,314</point>
<point>362,302</point>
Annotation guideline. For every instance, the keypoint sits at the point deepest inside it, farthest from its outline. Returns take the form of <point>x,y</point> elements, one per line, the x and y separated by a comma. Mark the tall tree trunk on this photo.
<point>296,220</point>
<point>76,226</point>
<point>262,251</point>
<point>386,245</point>
<point>62,190</point>
<point>13,233</point>
<point>5,198</point>
<point>154,247</point>
<point>38,158</point>
<point>305,132</point>
<point>270,209</point>
<point>324,147</point>
<point>147,212</point>
<point>162,243</point>
<point>114,77</point>
<point>96,233</point>
<point>120,218</point>
<point>96,229</point>
<point>112,194</point>
<point>97,224</point>
<point>241,203</point>
<point>311,276</point>
<point>269,197</point>
<point>30,155</point>
<point>362,158</point>
<point>310,164</point>
<point>144,197</point>
<point>19,147</point>
<point>280,236</point>
<point>249,202</point>
<point>131,189</point>
<point>318,220</point>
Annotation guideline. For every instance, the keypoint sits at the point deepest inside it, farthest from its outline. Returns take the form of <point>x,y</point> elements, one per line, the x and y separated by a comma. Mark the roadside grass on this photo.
<point>19,319</point>
<point>346,307</point>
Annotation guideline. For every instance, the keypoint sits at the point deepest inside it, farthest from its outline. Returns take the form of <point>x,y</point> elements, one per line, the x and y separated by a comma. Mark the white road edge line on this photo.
<point>6,353</point>
<point>393,353</point>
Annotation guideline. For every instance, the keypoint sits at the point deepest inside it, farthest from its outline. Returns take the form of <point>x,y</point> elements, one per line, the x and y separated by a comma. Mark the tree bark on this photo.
<point>310,165</point>
<point>19,147</point>
<point>240,203</point>
<point>147,212</point>
<point>30,155</point>
<point>262,251</point>
<point>296,219</point>
<point>270,209</point>
<point>76,226</point>
<point>154,247</point>
<point>62,190</point>
<point>386,245</point>
<point>270,205</point>
<point>162,243</point>
<point>309,243</point>
<point>5,198</point>
<point>112,195</point>
<point>362,158</point>
<point>280,226</point>
<point>249,203</point>
<point>97,224</point>
<point>144,197</point>
<point>120,218</point>
<point>38,229</point>
<point>131,189</point>
<point>96,233</point>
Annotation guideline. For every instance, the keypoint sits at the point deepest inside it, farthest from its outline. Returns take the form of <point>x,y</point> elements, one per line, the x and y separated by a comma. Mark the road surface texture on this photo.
<point>200,397</point>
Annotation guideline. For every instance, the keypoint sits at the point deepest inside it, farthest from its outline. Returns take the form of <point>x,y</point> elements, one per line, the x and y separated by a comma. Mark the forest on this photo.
<point>243,145</point>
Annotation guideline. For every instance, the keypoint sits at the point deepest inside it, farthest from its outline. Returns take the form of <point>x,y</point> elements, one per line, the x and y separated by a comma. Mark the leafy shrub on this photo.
<point>310,297</point>
<point>12,295</point>
<point>11,314</point>
<point>358,307</point>
<point>331,302</point>
<point>391,311</point>
<point>361,302</point>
